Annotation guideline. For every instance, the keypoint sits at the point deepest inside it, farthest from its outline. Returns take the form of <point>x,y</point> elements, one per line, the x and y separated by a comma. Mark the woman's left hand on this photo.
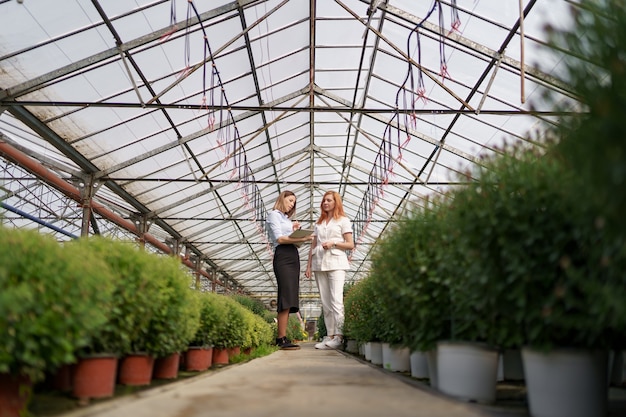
<point>328,244</point>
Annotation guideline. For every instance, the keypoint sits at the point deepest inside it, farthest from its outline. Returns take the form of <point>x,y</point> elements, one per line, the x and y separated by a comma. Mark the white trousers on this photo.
<point>330,286</point>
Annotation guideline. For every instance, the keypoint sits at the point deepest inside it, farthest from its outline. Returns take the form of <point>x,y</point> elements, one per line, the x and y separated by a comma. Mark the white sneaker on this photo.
<point>334,343</point>
<point>322,344</point>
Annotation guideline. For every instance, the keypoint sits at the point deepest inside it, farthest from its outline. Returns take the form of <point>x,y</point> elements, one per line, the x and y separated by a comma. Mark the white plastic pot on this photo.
<point>467,371</point>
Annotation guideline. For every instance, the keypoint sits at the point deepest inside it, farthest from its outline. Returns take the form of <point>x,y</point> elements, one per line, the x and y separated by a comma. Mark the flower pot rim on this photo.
<point>98,355</point>
<point>564,349</point>
<point>477,345</point>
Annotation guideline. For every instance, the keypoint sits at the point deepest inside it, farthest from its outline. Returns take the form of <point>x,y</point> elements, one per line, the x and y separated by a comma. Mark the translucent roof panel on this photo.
<point>182,121</point>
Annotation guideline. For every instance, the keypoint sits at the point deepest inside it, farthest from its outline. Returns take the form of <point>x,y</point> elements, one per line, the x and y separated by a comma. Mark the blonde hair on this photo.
<point>337,211</point>
<point>280,203</point>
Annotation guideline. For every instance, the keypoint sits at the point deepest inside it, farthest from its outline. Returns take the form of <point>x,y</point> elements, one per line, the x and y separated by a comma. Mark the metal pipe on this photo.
<point>37,220</point>
<point>72,192</point>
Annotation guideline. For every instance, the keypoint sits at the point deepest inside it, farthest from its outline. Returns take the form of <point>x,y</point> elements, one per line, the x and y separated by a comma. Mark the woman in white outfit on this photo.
<point>329,262</point>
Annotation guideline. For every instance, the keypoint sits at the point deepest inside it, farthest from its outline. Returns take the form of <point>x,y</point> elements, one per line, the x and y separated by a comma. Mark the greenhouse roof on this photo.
<point>186,119</point>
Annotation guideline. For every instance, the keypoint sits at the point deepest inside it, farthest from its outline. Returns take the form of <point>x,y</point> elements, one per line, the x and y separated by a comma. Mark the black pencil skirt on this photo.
<point>286,266</point>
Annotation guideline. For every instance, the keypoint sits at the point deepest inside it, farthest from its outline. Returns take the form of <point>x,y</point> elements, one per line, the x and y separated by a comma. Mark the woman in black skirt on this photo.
<point>286,262</point>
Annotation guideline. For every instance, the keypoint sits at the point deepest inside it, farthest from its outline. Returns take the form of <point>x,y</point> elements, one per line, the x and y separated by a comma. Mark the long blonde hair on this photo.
<point>337,211</point>
<point>280,203</point>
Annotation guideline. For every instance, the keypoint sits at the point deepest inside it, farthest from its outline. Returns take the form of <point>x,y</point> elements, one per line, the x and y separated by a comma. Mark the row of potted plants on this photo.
<point>96,296</point>
<point>530,255</point>
<point>513,261</point>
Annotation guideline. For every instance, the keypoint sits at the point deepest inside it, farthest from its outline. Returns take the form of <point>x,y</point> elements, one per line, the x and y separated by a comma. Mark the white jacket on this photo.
<point>335,258</point>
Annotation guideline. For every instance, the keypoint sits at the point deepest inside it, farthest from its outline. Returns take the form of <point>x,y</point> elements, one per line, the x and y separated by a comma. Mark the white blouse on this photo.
<point>334,258</point>
<point>278,224</point>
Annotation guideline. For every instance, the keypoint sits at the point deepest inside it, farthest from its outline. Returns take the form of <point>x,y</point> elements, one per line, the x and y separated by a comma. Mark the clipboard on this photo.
<point>301,233</point>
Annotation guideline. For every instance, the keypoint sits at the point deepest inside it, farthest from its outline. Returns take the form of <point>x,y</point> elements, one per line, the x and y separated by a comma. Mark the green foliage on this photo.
<point>257,352</point>
<point>294,329</point>
<point>518,256</point>
<point>176,316</point>
<point>53,299</point>
<point>269,316</point>
<point>236,329</point>
<point>253,304</point>
<point>240,326</point>
<point>364,320</point>
<point>226,324</point>
<point>264,333</point>
<point>211,315</point>
<point>321,325</point>
<point>258,332</point>
<point>594,142</point>
<point>533,264</point>
<point>410,276</point>
<point>127,329</point>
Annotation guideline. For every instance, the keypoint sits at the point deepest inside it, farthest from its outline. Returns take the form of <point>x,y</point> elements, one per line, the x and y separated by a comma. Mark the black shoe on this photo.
<point>285,344</point>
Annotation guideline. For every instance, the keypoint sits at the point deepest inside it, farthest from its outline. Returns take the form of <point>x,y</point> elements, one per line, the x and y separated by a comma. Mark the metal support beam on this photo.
<point>50,178</point>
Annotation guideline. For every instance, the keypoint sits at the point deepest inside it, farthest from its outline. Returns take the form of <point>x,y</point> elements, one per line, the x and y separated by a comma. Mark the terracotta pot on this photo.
<point>94,377</point>
<point>198,358</point>
<point>220,356</point>
<point>233,351</point>
<point>166,367</point>
<point>136,369</point>
<point>61,380</point>
<point>15,392</point>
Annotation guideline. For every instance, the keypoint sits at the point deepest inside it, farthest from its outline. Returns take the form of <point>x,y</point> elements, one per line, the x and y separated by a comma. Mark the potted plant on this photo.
<point>547,271</point>
<point>295,330</point>
<point>253,304</point>
<point>199,352</point>
<point>592,144</point>
<point>354,316</point>
<point>231,331</point>
<point>53,300</point>
<point>127,329</point>
<point>177,319</point>
<point>263,334</point>
<point>410,266</point>
<point>364,318</point>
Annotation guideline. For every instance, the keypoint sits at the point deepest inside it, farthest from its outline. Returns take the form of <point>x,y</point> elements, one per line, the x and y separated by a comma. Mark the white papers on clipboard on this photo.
<point>301,233</point>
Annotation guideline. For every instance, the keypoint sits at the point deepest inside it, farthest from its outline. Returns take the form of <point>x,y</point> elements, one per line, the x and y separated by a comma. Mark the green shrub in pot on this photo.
<point>176,315</point>
<point>535,267</point>
<point>211,313</point>
<point>593,141</point>
<point>295,330</point>
<point>232,325</point>
<point>363,318</point>
<point>354,313</point>
<point>321,325</point>
<point>127,328</point>
<point>409,267</point>
<point>250,336</point>
<point>263,332</point>
<point>252,304</point>
<point>53,300</point>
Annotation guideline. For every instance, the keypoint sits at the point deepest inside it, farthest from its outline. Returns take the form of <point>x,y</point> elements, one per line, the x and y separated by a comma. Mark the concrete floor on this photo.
<point>305,382</point>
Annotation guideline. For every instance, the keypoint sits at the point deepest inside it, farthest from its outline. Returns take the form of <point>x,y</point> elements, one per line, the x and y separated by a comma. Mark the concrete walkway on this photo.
<point>306,382</point>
